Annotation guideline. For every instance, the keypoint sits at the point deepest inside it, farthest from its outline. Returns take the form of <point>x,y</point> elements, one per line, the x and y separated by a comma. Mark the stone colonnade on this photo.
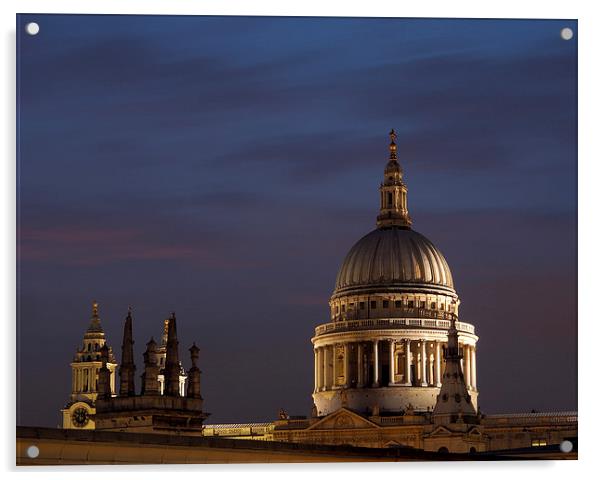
<point>84,379</point>
<point>360,364</point>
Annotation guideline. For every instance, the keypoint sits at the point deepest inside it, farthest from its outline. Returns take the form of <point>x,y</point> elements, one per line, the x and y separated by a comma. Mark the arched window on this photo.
<point>443,450</point>
<point>389,199</point>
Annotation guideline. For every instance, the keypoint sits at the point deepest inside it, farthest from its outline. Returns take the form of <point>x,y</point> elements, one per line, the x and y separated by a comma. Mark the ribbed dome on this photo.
<point>393,258</point>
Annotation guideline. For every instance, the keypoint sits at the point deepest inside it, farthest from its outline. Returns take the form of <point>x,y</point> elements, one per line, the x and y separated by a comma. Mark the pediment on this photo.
<point>440,431</point>
<point>475,432</point>
<point>343,419</point>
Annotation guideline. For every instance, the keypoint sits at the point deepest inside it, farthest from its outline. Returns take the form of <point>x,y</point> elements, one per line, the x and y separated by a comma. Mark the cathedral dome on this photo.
<point>393,259</point>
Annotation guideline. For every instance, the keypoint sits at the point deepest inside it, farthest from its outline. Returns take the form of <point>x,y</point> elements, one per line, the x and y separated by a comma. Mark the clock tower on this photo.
<point>86,363</point>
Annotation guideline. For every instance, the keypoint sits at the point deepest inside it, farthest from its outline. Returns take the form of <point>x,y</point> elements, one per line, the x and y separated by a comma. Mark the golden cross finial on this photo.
<point>393,135</point>
<point>95,308</point>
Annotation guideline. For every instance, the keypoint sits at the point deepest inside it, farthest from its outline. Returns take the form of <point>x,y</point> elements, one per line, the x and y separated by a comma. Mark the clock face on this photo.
<point>80,417</point>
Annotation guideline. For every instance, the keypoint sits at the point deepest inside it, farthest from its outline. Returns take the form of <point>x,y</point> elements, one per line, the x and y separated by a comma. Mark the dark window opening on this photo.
<point>385,303</point>
<point>411,304</point>
<point>373,304</point>
<point>433,305</point>
<point>397,303</point>
<point>362,305</point>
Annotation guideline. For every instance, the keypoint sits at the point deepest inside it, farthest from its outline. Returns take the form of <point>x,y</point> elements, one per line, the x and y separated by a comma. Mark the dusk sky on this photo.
<point>222,167</point>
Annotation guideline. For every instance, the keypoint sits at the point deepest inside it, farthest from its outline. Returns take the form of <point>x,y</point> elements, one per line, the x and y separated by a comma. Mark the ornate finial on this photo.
<point>94,308</point>
<point>393,145</point>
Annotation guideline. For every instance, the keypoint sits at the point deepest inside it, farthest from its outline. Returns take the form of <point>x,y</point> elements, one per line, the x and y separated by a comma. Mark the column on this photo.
<point>467,366</point>
<point>391,362</point>
<point>473,365</point>
<point>325,382</point>
<point>333,382</point>
<point>321,368</point>
<point>423,363</point>
<point>346,372</point>
<point>93,378</point>
<point>315,370</point>
<point>408,375</point>
<point>431,369</point>
<point>112,381</point>
<point>376,379</point>
<point>360,365</point>
<point>437,364</point>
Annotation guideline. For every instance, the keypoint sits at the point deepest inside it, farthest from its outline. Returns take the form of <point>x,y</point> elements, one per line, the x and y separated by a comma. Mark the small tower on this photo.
<point>104,375</point>
<point>453,402</point>
<point>150,377</point>
<point>85,369</point>
<point>455,425</point>
<point>393,193</point>
<point>194,374</point>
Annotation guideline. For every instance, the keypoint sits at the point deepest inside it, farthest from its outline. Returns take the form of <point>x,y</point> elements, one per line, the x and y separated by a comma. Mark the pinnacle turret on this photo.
<point>172,360</point>
<point>127,368</point>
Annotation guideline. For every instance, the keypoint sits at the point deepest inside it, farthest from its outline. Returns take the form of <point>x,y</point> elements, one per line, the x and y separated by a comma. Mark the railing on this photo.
<point>530,418</point>
<point>400,420</point>
<point>371,323</point>
<point>401,312</point>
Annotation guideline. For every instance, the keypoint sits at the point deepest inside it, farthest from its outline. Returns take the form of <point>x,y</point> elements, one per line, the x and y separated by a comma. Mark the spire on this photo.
<point>172,360</point>
<point>95,326</point>
<point>194,374</point>
<point>454,404</point>
<point>127,368</point>
<point>393,192</point>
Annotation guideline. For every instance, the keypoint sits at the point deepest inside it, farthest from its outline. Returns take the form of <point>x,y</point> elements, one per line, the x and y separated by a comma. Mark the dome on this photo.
<point>393,259</point>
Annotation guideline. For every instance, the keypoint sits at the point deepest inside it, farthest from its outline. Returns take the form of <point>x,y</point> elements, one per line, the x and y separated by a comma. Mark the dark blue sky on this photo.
<point>222,167</point>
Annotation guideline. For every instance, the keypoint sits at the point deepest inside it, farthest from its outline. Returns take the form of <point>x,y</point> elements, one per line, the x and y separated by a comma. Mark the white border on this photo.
<point>590,263</point>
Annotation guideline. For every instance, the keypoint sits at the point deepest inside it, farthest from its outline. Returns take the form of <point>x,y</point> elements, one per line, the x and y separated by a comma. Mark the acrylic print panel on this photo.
<point>264,239</point>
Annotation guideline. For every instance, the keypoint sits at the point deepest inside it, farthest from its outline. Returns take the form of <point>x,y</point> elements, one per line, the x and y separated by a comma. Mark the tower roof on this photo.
<point>95,326</point>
